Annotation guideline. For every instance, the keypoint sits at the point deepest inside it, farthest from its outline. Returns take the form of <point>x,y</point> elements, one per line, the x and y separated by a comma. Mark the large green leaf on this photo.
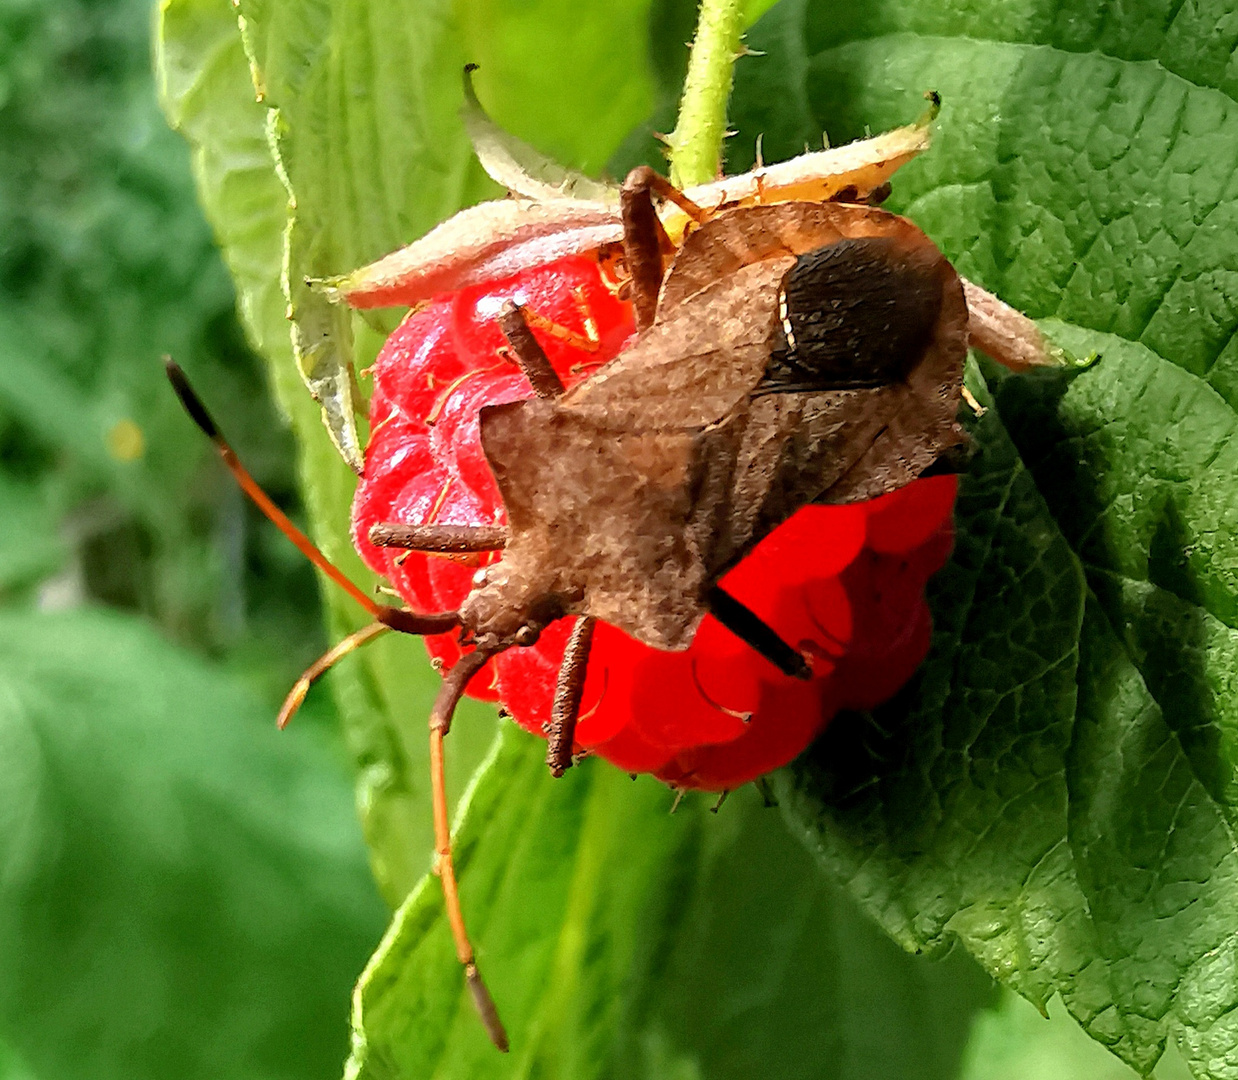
<point>1080,780</point>
<point>184,891</point>
<point>205,80</point>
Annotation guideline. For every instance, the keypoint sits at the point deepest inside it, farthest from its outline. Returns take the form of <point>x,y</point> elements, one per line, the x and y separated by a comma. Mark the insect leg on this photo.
<point>296,696</point>
<point>655,183</point>
<point>644,238</point>
<point>454,683</point>
<point>749,627</point>
<point>568,690</point>
<point>529,354</point>
<point>1007,335</point>
<point>440,539</point>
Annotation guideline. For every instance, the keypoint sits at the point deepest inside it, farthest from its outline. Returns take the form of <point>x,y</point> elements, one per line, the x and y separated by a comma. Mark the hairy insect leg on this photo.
<point>1007,335</point>
<point>569,688</point>
<point>746,625</point>
<point>528,353</point>
<point>439,539</point>
<point>644,238</point>
<point>454,683</point>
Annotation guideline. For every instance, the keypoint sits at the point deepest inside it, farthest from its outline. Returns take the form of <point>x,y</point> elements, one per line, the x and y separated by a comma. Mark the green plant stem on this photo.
<point>696,143</point>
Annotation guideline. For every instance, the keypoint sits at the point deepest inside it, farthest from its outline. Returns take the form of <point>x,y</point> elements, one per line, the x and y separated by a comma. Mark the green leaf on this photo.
<point>1016,1042</point>
<point>620,940</point>
<point>946,810</point>
<point>371,171</point>
<point>184,891</point>
<point>12,1067</point>
<point>1074,845</point>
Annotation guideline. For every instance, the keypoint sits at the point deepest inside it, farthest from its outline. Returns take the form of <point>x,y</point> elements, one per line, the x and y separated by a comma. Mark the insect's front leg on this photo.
<point>644,239</point>
<point>528,353</point>
<point>569,688</point>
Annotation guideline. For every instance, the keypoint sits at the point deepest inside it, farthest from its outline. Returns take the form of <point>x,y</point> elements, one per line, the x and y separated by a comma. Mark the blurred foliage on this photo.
<point>106,492</point>
<point>183,892</point>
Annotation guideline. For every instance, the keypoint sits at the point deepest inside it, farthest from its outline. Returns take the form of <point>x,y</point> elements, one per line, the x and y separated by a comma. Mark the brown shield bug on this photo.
<point>787,353</point>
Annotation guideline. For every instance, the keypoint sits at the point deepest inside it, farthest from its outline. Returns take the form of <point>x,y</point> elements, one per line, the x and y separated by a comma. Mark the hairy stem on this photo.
<point>696,143</point>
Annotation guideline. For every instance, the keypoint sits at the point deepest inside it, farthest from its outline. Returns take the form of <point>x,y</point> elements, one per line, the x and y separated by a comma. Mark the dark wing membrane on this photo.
<point>857,312</point>
<point>775,456</point>
<point>859,396</point>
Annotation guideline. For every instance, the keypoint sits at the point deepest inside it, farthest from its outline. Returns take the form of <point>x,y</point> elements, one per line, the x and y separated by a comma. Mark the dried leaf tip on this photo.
<point>519,167</point>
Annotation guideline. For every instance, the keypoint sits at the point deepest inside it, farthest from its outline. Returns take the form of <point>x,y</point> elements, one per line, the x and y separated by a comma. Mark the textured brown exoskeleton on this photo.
<point>792,353</point>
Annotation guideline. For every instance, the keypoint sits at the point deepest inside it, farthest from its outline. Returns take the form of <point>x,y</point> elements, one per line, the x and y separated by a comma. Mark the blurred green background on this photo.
<point>183,893</point>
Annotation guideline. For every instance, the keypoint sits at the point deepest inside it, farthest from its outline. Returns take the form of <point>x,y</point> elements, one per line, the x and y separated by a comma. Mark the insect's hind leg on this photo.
<point>439,539</point>
<point>569,688</point>
<point>1007,335</point>
<point>449,695</point>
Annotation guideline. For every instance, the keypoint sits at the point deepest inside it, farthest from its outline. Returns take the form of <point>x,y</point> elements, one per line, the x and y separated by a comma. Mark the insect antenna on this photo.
<point>384,615</point>
<point>454,684</point>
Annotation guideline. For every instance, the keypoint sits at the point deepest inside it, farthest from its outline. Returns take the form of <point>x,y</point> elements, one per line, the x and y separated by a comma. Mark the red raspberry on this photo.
<point>843,583</point>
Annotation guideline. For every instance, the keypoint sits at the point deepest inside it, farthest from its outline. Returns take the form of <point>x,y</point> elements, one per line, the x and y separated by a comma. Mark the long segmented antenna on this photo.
<point>408,622</point>
<point>449,694</point>
<point>385,617</point>
<point>197,411</point>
